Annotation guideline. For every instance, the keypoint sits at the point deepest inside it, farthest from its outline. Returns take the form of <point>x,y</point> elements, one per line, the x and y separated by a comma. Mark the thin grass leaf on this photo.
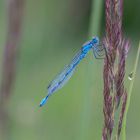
<point>129,94</point>
<point>94,27</point>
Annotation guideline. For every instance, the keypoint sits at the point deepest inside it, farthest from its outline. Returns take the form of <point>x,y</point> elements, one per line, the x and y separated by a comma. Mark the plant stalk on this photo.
<point>129,94</point>
<point>94,29</point>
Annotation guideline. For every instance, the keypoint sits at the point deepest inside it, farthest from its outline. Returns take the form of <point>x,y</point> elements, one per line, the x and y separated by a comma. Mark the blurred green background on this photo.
<point>52,33</point>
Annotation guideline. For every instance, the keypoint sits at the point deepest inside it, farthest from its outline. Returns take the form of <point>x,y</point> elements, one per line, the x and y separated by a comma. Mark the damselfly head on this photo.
<point>95,40</point>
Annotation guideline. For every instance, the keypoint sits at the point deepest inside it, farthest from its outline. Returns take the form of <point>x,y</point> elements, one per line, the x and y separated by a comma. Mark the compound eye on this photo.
<point>95,40</point>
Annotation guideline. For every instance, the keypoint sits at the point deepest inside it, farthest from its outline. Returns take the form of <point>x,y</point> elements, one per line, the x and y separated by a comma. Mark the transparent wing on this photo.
<point>55,85</point>
<point>62,78</point>
<point>98,51</point>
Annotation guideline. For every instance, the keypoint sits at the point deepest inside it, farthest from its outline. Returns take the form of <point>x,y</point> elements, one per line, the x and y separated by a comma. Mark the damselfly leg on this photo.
<point>99,51</point>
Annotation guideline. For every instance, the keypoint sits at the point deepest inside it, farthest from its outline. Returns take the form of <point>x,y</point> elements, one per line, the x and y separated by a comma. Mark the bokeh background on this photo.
<point>52,32</point>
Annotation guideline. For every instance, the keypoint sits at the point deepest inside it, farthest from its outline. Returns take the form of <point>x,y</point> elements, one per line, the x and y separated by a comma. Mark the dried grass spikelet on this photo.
<point>114,67</point>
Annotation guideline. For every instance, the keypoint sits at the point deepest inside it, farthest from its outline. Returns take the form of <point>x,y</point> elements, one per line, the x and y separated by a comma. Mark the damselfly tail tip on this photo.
<point>43,102</point>
<point>40,105</point>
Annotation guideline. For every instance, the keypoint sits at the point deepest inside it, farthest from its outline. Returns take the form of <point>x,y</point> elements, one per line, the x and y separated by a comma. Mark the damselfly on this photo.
<point>65,75</point>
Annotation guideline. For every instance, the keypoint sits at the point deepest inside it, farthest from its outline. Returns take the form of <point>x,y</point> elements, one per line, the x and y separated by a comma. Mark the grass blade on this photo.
<point>129,94</point>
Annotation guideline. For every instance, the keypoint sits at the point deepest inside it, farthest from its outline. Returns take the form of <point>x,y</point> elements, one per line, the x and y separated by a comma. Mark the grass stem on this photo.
<point>94,27</point>
<point>129,94</point>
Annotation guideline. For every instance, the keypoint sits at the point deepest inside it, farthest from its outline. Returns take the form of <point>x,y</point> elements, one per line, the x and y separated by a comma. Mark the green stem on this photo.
<point>129,95</point>
<point>94,28</point>
<point>95,19</point>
